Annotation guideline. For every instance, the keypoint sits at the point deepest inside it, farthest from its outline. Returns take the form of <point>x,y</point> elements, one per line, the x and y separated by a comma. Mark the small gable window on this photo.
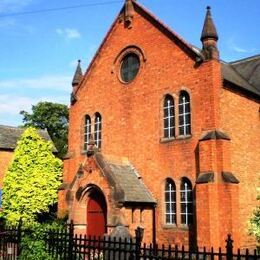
<point>97,130</point>
<point>87,131</point>
<point>129,67</point>
<point>186,202</point>
<point>170,202</point>
<point>168,117</point>
<point>184,114</point>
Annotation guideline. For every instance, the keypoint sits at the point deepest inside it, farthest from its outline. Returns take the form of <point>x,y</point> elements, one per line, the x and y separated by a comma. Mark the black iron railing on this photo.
<point>66,245</point>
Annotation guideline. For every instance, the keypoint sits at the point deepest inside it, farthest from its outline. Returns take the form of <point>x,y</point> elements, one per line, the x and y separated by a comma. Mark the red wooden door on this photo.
<point>96,214</point>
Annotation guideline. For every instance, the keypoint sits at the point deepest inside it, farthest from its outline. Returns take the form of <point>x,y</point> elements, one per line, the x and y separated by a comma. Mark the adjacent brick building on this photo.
<point>163,135</point>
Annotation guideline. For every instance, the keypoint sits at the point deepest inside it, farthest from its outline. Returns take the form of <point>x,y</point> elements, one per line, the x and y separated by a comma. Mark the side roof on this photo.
<point>129,187</point>
<point>235,76</point>
<point>249,69</point>
<point>9,136</point>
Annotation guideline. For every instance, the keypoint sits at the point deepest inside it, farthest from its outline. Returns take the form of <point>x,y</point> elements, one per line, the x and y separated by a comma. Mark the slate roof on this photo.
<point>9,136</point>
<point>133,187</point>
<point>127,182</point>
<point>249,69</point>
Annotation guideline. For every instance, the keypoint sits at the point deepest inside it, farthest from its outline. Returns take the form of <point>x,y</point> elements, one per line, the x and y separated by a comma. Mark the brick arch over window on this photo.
<point>186,201</point>
<point>87,131</point>
<point>98,130</point>
<point>170,201</point>
<point>168,117</point>
<point>184,114</point>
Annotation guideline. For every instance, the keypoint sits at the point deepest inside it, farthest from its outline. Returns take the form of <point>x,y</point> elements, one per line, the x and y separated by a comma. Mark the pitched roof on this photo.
<point>161,26</point>
<point>249,69</point>
<point>128,183</point>
<point>232,75</point>
<point>9,136</point>
<point>244,73</point>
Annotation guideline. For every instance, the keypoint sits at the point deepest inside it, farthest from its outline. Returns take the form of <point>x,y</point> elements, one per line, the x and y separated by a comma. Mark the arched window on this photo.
<point>170,202</point>
<point>97,130</point>
<point>184,114</point>
<point>168,117</point>
<point>87,131</point>
<point>186,202</point>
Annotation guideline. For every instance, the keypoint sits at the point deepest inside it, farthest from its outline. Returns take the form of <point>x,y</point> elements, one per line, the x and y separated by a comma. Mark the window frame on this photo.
<point>186,202</point>
<point>184,114</point>
<point>87,131</point>
<point>98,130</point>
<point>169,125</point>
<point>171,211</point>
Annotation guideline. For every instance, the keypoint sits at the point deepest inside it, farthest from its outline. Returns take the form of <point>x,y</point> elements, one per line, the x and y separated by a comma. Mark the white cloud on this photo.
<point>69,33</point>
<point>13,5</point>
<point>11,105</point>
<point>234,47</point>
<point>55,82</point>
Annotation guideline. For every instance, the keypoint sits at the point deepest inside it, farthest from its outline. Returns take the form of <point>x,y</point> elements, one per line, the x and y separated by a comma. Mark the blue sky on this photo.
<point>38,52</point>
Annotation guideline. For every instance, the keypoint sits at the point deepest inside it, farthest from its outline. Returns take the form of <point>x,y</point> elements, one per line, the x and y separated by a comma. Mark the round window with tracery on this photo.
<point>129,67</point>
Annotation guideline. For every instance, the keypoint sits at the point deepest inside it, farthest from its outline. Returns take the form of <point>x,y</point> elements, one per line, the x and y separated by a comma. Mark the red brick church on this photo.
<point>163,135</point>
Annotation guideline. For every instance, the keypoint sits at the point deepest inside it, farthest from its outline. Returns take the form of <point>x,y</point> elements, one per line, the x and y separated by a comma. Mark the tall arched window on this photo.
<point>97,130</point>
<point>87,131</point>
<point>186,202</point>
<point>184,114</point>
<point>168,117</point>
<point>170,202</point>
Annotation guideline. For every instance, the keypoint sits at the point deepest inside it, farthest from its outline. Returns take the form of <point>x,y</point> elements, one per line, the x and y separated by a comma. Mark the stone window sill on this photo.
<point>171,139</point>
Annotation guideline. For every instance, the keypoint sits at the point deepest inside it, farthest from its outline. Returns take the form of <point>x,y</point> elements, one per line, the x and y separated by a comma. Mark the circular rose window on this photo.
<point>129,67</point>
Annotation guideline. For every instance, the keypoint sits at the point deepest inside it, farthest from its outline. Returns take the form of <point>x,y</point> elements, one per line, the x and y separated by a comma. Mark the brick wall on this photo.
<point>132,123</point>
<point>5,159</point>
<point>240,118</point>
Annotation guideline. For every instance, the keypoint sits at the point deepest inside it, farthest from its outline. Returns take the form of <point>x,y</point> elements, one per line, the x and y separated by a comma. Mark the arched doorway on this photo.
<point>96,213</point>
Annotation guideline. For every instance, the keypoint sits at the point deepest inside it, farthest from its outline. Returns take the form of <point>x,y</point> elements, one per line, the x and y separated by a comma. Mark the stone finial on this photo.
<point>209,37</point>
<point>77,76</point>
<point>129,13</point>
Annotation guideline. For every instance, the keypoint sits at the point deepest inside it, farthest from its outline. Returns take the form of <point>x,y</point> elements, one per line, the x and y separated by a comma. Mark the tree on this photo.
<point>254,228</point>
<point>53,117</point>
<point>32,180</point>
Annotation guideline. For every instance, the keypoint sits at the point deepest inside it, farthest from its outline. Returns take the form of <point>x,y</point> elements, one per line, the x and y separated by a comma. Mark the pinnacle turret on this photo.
<point>209,37</point>
<point>77,76</point>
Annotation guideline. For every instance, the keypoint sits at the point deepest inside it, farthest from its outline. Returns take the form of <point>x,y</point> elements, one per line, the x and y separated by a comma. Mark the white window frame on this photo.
<point>97,130</point>
<point>184,102</point>
<point>170,188</point>
<point>87,134</point>
<point>186,202</point>
<point>168,107</point>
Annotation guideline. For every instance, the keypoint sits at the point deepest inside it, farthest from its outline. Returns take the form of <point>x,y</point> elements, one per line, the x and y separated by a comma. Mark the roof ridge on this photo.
<point>245,59</point>
<point>9,126</point>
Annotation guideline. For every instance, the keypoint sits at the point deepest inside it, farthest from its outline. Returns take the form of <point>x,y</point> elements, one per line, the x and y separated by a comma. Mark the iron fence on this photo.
<point>65,245</point>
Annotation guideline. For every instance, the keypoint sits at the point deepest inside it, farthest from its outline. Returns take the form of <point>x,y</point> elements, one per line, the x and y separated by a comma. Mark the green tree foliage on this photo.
<point>32,180</point>
<point>53,117</point>
<point>254,228</point>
